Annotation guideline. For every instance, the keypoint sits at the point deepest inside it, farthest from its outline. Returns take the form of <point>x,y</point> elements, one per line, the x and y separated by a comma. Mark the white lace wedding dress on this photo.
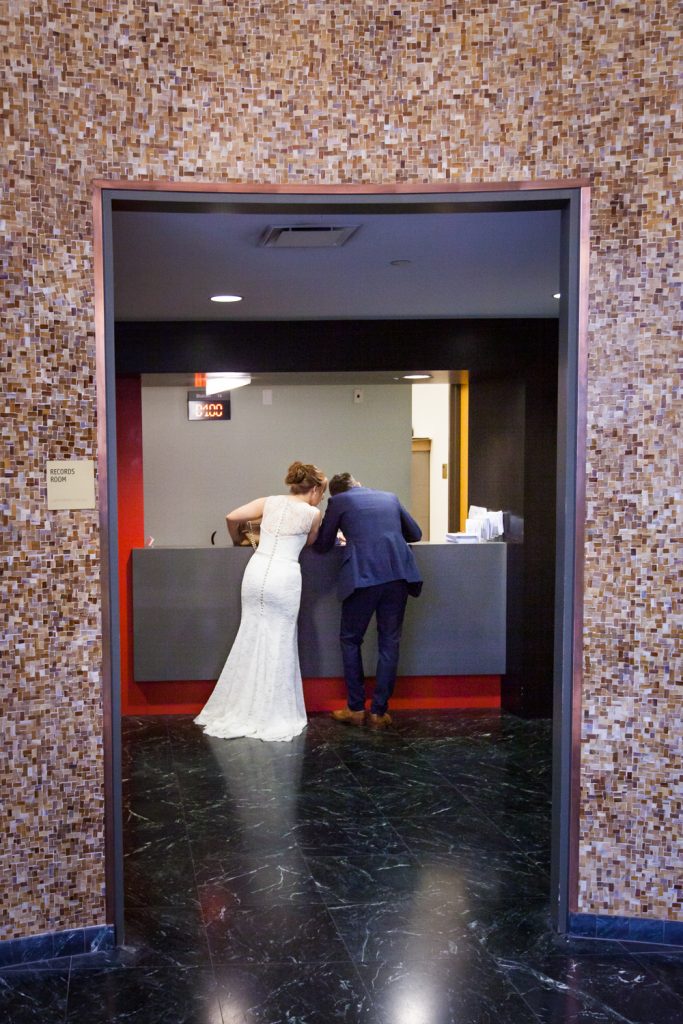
<point>259,692</point>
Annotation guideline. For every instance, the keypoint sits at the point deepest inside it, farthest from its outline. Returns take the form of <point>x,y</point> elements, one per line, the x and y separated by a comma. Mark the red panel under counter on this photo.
<point>412,693</point>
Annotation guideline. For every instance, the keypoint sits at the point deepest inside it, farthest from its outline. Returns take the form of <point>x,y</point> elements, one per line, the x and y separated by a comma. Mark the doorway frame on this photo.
<point>572,197</point>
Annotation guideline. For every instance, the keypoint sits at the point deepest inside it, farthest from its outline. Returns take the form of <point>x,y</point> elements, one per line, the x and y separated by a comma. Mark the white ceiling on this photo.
<point>483,264</point>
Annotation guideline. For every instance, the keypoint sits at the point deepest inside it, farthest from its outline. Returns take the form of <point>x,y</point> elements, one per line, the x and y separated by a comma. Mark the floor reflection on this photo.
<point>395,878</point>
<point>257,795</point>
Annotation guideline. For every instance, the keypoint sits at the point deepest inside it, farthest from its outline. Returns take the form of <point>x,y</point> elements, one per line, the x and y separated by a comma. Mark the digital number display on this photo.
<point>199,407</point>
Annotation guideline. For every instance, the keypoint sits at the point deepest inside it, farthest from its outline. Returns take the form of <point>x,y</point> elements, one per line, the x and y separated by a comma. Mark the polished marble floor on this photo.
<point>392,878</point>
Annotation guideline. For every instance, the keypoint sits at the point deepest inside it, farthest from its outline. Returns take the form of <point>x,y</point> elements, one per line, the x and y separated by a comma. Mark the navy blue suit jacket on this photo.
<point>377,528</point>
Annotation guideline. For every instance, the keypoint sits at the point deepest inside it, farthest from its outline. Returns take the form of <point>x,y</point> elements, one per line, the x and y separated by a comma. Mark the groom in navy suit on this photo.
<point>377,575</point>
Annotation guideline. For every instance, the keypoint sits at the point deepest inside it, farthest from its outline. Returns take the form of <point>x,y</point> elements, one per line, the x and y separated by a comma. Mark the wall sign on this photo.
<point>71,484</point>
<point>215,407</point>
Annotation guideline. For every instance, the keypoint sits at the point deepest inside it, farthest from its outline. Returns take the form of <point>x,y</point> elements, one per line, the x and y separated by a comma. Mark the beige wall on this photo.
<point>322,92</point>
<point>431,418</point>
<point>196,472</point>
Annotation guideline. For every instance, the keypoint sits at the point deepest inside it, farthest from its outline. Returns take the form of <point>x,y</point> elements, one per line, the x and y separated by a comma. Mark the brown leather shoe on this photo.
<point>379,721</point>
<point>349,717</point>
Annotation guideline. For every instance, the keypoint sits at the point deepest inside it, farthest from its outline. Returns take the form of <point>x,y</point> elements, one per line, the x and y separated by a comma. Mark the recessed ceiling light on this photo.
<point>400,263</point>
<point>226,298</point>
<point>556,295</point>
<point>417,376</point>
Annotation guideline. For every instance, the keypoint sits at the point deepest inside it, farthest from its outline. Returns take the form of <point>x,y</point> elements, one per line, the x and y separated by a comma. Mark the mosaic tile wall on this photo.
<point>328,92</point>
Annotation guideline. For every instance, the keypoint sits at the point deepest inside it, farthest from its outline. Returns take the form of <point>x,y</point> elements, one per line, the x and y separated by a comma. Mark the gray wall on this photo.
<point>187,611</point>
<point>196,472</point>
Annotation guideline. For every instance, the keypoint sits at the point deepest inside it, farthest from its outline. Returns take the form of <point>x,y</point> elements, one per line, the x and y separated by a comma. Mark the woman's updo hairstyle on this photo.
<point>302,477</point>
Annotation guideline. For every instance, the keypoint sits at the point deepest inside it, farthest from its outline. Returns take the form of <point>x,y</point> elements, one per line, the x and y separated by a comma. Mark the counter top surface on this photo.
<point>419,545</point>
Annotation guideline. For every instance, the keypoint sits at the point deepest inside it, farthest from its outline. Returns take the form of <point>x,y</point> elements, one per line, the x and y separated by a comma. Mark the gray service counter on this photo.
<point>186,610</point>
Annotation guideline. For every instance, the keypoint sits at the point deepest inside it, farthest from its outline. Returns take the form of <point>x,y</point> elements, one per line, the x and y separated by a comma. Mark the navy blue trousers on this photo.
<point>388,602</point>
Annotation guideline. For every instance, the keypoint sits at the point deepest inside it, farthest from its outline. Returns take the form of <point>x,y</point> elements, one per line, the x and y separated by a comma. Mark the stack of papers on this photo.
<point>480,525</point>
<point>485,524</point>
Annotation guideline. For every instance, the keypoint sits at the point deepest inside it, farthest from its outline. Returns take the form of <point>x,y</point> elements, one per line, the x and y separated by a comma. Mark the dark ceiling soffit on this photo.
<point>333,345</point>
<point>384,206</point>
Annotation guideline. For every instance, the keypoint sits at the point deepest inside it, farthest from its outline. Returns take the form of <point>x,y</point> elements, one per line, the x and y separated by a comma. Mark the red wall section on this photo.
<point>188,697</point>
<point>140,698</point>
<point>131,515</point>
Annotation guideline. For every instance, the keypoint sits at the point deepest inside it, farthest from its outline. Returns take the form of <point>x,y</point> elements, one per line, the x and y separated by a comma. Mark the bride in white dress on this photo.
<point>259,692</point>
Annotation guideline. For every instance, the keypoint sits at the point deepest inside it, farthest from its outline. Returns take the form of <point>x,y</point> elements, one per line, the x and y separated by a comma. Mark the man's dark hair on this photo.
<point>341,482</point>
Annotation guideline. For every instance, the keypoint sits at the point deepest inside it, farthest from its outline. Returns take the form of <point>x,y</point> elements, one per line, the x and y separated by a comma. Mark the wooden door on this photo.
<point>419,482</point>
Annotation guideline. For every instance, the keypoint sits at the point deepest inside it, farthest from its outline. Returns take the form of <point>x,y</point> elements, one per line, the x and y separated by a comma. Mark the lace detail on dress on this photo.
<point>284,515</point>
<point>282,518</point>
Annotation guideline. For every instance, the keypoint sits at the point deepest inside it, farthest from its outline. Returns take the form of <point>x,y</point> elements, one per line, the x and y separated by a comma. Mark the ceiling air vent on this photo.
<point>307,236</point>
